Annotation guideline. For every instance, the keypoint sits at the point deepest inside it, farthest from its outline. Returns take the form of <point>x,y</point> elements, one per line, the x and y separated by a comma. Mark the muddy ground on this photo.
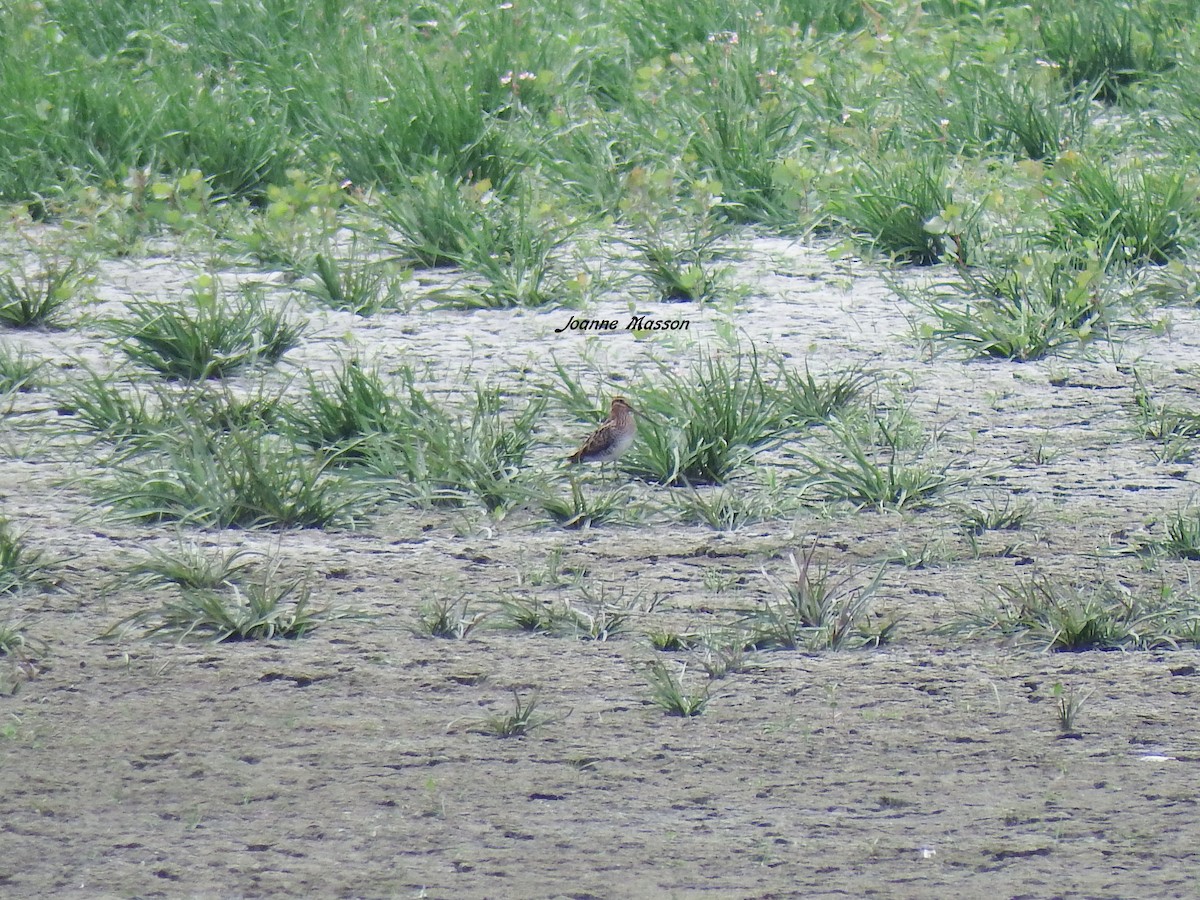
<point>352,762</point>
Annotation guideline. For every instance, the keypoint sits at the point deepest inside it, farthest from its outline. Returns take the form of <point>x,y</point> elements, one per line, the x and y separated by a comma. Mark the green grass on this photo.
<point>18,370</point>
<point>668,692</point>
<point>890,202</point>
<point>188,565</point>
<point>1133,217</point>
<point>1024,311</point>
<point>247,478</point>
<point>881,479</point>
<point>520,721</point>
<point>1107,45</point>
<point>447,617</point>
<point>1000,514</point>
<point>817,609</point>
<point>42,300</point>
<point>586,508</point>
<point>209,335</point>
<point>706,425</point>
<point>21,565</point>
<point>264,609</point>
<point>446,456</point>
<point>1064,616</point>
<point>1069,706</point>
<point>356,285</point>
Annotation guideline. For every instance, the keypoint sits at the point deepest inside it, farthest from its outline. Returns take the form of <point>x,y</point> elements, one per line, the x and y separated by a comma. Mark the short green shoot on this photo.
<point>1183,535</point>
<point>525,612</point>
<point>723,655</point>
<point>730,508</point>
<point>16,643</point>
<point>1069,704</point>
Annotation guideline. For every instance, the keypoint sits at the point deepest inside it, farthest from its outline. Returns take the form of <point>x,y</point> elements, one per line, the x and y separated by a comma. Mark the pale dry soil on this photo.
<point>352,762</point>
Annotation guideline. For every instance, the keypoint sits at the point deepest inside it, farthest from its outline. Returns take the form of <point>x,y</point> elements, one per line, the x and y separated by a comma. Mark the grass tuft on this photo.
<point>818,610</point>
<point>209,336</point>
<point>668,693</point>
<point>259,610</point>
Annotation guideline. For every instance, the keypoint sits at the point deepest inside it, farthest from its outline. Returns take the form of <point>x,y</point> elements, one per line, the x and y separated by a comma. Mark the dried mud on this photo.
<point>350,763</point>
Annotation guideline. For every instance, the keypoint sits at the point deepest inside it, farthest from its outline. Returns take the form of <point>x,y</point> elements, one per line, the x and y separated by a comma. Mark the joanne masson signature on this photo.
<point>636,323</point>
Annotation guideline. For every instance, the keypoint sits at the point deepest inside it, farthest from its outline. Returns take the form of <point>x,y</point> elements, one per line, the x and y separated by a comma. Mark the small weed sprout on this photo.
<point>1069,704</point>
<point>16,643</point>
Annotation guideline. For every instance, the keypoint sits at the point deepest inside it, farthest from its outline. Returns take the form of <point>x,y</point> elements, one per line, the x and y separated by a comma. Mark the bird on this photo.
<point>612,438</point>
